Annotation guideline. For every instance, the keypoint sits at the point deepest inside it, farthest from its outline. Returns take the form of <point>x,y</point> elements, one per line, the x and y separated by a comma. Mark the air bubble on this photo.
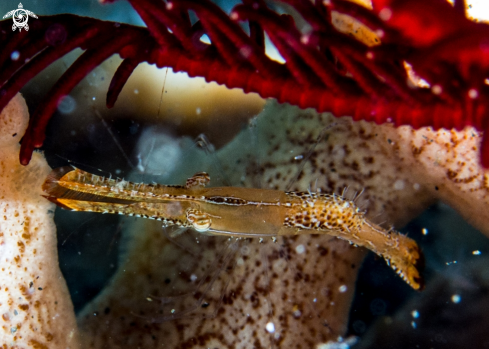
<point>15,55</point>
<point>270,327</point>
<point>378,307</point>
<point>436,89</point>
<point>399,184</point>
<point>66,105</point>
<point>385,14</point>
<point>55,35</point>
<point>473,93</point>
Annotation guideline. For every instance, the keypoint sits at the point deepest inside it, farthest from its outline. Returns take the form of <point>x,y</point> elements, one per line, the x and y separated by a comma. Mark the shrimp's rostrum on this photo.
<point>237,212</point>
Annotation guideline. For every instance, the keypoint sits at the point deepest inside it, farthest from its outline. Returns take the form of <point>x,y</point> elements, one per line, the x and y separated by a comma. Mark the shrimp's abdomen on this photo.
<point>340,217</point>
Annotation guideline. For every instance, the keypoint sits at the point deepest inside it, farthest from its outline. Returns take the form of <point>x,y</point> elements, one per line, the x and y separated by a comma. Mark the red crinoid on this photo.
<point>324,69</point>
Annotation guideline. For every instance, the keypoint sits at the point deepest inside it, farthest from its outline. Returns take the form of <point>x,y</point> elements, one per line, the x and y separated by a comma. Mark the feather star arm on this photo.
<point>324,69</point>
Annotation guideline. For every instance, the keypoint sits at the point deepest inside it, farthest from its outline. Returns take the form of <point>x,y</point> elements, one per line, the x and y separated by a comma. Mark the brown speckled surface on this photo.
<point>35,307</point>
<point>271,282</point>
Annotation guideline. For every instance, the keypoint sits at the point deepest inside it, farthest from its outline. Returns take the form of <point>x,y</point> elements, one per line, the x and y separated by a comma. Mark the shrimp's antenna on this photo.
<point>203,142</point>
<point>83,165</point>
<point>162,93</point>
<point>305,159</point>
<point>114,138</point>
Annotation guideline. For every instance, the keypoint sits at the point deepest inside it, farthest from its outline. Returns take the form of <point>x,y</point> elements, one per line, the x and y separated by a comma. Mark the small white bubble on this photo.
<point>198,111</point>
<point>413,324</point>
<point>399,184</point>
<point>172,311</point>
<point>297,313</point>
<point>245,250</point>
<point>299,157</point>
<point>314,300</point>
<point>136,91</point>
<point>424,231</point>
<point>300,249</point>
<point>66,104</point>
<point>240,261</point>
<point>416,186</point>
<point>245,51</point>
<point>93,98</point>
<point>15,55</point>
<point>270,327</point>
<point>385,14</point>
<point>473,93</point>
<point>456,298</point>
<point>436,89</point>
<point>342,288</point>
<point>193,277</point>
<point>476,253</point>
<point>415,314</point>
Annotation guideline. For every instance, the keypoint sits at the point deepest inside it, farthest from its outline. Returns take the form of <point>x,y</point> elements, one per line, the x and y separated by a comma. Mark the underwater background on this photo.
<point>451,313</point>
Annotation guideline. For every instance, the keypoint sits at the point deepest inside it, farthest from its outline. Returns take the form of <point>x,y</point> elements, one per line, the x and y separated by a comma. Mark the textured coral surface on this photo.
<point>35,306</point>
<point>401,171</point>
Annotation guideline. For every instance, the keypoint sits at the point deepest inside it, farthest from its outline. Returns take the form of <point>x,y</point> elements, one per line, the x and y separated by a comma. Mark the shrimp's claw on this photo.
<point>200,179</point>
<point>408,262</point>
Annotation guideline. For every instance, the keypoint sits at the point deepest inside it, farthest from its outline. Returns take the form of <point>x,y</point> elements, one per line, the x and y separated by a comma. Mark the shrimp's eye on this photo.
<point>200,221</point>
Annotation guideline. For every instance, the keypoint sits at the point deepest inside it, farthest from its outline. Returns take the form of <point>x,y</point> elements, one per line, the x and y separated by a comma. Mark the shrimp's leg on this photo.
<point>205,300</point>
<point>200,179</point>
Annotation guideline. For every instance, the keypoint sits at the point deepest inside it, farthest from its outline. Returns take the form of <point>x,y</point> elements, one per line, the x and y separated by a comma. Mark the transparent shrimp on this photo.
<point>236,212</point>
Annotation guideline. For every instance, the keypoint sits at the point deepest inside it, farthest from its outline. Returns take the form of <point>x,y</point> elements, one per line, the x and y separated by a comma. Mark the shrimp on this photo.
<point>236,212</point>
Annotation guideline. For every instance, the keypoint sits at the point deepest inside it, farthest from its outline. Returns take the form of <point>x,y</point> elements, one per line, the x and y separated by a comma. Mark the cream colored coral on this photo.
<point>35,306</point>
